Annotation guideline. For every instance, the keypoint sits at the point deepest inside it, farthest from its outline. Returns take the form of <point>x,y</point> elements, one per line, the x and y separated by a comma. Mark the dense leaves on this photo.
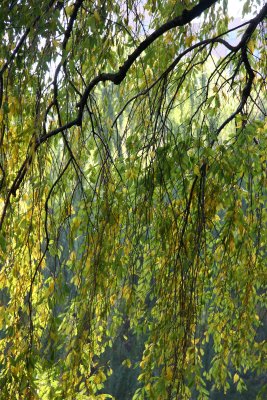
<point>133,194</point>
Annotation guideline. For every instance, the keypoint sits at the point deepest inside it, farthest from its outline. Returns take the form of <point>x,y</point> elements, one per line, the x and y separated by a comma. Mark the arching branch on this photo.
<point>117,77</point>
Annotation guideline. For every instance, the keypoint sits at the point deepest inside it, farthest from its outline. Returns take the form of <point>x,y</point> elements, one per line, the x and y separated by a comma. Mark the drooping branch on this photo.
<point>117,77</point>
<point>201,44</point>
<point>66,38</point>
<point>242,45</point>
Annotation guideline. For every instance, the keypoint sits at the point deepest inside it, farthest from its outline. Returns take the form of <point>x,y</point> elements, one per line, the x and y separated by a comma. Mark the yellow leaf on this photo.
<point>97,16</point>
<point>2,316</point>
<point>197,170</point>
<point>126,292</point>
<point>127,363</point>
<point>251,46</point>
<point>189,40</point>
<point>168,38</point>
<point>148,387</point>
<point>169,373</point>
<point>100,377</point>
<point>50,288</point>
<point>112,299</point>
<point>232,244</point>
<point>68,10</point>
<point>236,377</point>
<point>216,218</point>
<point>55,42</point>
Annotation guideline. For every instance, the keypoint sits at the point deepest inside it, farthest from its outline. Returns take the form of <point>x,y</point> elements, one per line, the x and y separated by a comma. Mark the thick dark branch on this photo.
<point>186,17</point>
<point>252,26</point>
<point>73,17</point>
<point>117,77</point>
<point>242,45</point>
<point>245,93</point>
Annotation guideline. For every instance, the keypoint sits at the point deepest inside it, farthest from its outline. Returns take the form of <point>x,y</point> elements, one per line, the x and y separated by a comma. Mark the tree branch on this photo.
<point>117,77</point>
<point>242,45</point>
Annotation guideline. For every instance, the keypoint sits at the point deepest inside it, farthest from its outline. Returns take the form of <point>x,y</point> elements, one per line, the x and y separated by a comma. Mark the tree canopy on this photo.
<point>133,192</point>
